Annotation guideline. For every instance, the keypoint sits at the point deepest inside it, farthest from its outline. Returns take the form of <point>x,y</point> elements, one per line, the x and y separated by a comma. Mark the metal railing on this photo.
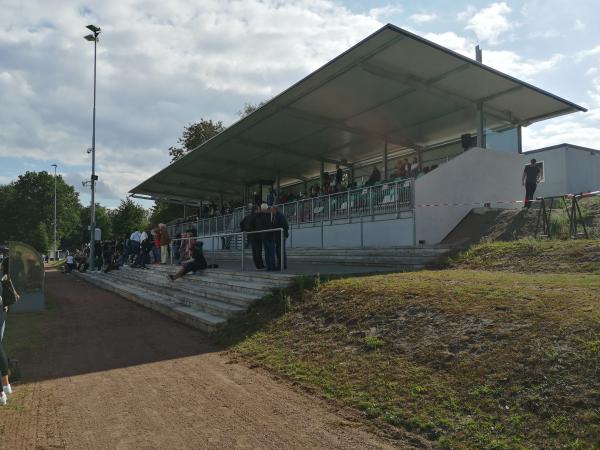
<point>382,199</point>
<point>243,235</point>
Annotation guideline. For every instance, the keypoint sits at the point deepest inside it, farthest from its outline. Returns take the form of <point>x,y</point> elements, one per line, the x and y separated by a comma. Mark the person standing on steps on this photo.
<point>530,179</point>
<point>266,222</point>
<point>165,240</point>
<point>249,223</point>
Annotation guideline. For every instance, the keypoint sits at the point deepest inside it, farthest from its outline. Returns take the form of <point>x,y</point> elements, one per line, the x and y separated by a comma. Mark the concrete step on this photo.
<point>217,307</point>
<point>160,303</point>
<point>190,292</point>
<point>270,279</point>
<point>192,281</point>
<point>354,260</point>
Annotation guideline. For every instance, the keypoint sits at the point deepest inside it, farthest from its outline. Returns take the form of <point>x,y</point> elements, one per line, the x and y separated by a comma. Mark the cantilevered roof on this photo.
<point>393,85</point>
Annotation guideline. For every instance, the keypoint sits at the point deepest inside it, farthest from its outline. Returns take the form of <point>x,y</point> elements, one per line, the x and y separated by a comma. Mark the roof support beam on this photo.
<point>283,149</point>
<point>329,123</point>
<point>412,81</point>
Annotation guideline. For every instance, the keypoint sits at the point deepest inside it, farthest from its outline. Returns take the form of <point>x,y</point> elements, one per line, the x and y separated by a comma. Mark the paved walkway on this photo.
<point>111,374</point>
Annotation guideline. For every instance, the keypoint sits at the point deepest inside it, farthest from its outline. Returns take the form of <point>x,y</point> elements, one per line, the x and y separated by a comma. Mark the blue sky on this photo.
<point>163,64</point>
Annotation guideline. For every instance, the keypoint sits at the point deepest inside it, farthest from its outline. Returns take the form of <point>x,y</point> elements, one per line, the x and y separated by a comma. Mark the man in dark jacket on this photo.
<point>265,221</point>
<point>250,223</point>
<point>279,221</point>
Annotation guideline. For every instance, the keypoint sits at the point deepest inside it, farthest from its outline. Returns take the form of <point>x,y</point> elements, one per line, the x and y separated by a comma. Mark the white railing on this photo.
<point>381,199</point>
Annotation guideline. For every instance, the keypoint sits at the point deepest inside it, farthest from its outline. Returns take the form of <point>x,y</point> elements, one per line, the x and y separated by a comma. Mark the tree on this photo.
<point>163,212</point>
<point>29,202</point>
<point>81,234</point>
<point>249,108</point>
<point>128,217</point>
<point>194,135</point>
<point>39,239</point>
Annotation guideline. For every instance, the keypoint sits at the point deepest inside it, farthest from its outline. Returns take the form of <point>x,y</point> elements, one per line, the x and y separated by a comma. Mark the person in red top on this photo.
<point>164,240</point>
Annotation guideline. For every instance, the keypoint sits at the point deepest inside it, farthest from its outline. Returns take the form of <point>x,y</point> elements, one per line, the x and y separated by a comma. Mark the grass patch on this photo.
<point>531,255</point>
<point>462,358</point>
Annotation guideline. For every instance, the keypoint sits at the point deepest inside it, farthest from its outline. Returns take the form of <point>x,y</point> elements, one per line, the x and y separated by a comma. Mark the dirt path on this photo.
<point>115,375</point>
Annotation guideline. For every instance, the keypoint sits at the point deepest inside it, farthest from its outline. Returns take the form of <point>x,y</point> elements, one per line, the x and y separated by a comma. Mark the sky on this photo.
<point>163,64</point>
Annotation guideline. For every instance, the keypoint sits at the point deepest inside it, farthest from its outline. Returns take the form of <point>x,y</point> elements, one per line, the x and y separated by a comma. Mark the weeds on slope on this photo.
<point>464,358</point>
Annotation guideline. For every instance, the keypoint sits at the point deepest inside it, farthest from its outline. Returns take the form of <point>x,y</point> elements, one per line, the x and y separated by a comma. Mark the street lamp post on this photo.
<point>55,166</point>
<point>93,38</point>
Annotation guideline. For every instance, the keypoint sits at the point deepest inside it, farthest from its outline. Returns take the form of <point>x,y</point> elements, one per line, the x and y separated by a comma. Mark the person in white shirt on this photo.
<point>414,167</point>
<point>70,263</point>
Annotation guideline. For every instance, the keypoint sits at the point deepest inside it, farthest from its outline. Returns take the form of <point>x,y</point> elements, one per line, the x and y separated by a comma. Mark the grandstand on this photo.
<point>393,96</point>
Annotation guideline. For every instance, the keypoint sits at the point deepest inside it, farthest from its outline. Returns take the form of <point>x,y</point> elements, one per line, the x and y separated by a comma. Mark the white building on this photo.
<point>566,169</point>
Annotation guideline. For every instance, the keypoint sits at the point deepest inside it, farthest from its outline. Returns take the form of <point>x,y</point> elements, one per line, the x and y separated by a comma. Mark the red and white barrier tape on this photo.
<point>581,195</point>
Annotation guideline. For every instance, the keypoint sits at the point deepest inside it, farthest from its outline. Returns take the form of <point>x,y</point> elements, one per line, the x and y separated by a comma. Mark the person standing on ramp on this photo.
<point>530,179</point>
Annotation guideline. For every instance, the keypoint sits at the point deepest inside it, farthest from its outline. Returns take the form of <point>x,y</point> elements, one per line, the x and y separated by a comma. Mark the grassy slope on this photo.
<point>464,358</point>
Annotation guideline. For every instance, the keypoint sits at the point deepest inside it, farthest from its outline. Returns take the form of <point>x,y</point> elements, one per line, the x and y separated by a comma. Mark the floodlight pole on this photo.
<point>55,166</point>
<point>94,37</point>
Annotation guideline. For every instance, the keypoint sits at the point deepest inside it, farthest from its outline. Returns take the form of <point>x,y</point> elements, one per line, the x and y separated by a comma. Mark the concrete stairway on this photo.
<point>411,258</point>
<point>204,301</point>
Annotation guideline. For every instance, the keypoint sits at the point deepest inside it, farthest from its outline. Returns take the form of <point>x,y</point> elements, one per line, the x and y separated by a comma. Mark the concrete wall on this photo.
<point>383,232</point>
<point>477,176</point>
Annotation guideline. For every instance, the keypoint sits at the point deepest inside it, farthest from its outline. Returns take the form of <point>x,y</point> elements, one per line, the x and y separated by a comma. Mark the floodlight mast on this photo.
<point>55,254</point>
<point>93,37</point>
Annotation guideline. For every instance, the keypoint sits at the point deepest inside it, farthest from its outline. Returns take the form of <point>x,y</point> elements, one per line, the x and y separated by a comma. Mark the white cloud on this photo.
<point>388,10</point>
<point>579,25</point>
<point>161,65</point>
<point>578,129</point>
<point>591,71</point>
<point>489,23</point>
<point>583,54</point>
<point>503,60</point>
<point>515,65</point>
<point>465,15</point>
<point>423,17</point>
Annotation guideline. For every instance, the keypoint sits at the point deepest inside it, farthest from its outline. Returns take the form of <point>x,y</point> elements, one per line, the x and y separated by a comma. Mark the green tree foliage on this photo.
<point>249,108</point>
<point>39,240</point>
<point>163,212</point>
<point>129,216</point>
<point>82,233</point>
<point>29,202</point>
<point>194,135</point>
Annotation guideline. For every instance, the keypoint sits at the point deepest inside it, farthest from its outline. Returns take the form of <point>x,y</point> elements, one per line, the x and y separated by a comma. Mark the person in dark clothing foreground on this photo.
<point>250,223</point>
<point>265,221</point>
<point>530,179</point>
<point>198,262</point>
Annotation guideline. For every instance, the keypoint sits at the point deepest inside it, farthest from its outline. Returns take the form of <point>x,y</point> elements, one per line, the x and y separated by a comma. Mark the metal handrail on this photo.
<point>345,204</point>
<point>237,233</point>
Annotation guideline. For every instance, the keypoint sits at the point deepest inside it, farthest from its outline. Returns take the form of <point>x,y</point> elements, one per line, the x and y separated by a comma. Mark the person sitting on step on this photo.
<point>198,262</point>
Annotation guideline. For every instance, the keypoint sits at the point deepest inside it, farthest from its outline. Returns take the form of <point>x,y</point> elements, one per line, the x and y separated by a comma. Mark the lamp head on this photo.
<point>90,37</point>
<point>94,29</point>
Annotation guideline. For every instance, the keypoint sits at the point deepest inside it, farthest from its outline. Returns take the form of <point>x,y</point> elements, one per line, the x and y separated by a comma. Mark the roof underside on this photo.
<point>393,85</point>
